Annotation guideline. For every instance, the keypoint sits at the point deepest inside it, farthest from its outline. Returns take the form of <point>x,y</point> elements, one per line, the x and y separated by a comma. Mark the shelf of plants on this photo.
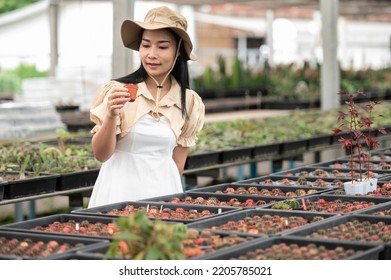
<point>264,217</point>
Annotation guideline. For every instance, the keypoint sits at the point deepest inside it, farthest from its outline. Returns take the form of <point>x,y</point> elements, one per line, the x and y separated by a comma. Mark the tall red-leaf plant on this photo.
<point>357,122</point>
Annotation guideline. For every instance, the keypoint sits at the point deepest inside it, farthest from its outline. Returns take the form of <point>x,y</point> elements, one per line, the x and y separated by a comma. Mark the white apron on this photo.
<point>141,165</point>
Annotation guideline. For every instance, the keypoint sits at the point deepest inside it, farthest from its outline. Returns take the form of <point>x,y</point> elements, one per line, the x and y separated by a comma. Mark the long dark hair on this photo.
<point>180,73</point>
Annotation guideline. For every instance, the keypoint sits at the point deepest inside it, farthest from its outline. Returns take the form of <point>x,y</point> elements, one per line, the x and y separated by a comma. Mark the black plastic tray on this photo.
<point>236,154</point>
<point>293,181</point>
<point>294,147</point>
<point>98,252</point>
<point>44,183</point>
<point>35,237</point>
<point>369,252</point>
<point>77,179</point>
<point>381,154</point>
<point>319,141</point>
<point>303,232</point>
<point>27,226</point>
<point>199,160</point>
<point>222,187</point>
<point>2,187</point>
<point>328,197</point>
<point>266,200</point>
<point>256,212</point>
<point>341,192</point>
<point>297,172</point>
<point>102,210</point>
<point>386,178</point>
<point>374,209</point>
<point>267,151</point>
<point>344,162</point>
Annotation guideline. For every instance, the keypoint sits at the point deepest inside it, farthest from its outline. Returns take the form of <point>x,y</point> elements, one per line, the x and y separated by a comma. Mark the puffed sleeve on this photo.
<point>99,108</point>
<point>195,121</point>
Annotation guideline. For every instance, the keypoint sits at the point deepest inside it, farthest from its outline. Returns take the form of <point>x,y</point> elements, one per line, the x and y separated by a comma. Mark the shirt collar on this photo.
<point>173,97</point>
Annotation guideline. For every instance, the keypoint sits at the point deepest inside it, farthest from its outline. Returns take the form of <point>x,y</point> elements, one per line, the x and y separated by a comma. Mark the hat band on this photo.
<point>170,23</point>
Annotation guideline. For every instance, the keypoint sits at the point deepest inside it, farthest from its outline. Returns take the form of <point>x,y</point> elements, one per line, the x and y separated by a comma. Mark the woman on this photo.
<point>144,143</point>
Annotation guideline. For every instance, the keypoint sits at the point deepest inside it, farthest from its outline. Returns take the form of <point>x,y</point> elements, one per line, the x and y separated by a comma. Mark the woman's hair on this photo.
<point>180,72</point>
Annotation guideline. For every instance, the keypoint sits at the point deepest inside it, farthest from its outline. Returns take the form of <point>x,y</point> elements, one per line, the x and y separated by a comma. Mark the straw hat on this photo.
<point>157,18</point>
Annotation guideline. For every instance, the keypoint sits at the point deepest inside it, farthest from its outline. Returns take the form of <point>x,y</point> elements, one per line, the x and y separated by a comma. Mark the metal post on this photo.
<point>122,59</point>
<point>18,212</point>
<point>330,76</point>
<point>31,213</point>
<point>53,25</point>
<point>253,170</point>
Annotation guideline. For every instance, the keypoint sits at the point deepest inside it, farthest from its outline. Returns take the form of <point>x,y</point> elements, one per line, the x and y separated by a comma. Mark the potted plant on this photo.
<point>143,239</point>
<point>357,123</point>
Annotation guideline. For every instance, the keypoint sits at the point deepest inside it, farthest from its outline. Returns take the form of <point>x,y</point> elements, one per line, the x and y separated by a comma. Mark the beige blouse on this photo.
<point>185,129</point>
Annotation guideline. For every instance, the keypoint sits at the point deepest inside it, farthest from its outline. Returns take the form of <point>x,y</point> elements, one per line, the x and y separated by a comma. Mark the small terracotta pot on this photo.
<point>132,91</point>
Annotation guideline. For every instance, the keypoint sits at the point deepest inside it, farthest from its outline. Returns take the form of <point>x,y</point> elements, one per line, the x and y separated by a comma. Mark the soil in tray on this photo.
<point>266,224</point>
<point>163,213</point>
<point>345,164</point>
<point>261,222</point>
<point>240,189</point>
<point>198,243</point>
<point>39,246</point>
<point>156,210</point>
<point>15,176</point>
<point>293,248</point>
<point>295,181</point>
<point>328,204</point>
<point>358,228</point>
<point>208,199</point>
<point>329,173</point>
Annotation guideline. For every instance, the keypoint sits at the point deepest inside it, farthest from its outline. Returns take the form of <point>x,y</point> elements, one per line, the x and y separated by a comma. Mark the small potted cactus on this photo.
<point>357,123</point>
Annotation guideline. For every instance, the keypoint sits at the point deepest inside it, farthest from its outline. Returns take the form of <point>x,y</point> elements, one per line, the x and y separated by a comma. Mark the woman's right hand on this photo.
<point>117,98</point>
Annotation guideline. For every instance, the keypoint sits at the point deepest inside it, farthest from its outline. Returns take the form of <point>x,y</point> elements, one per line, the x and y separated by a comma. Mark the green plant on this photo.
<point>353,121</point>
<point>10,5</point>
<point>9,83</point>
<point>143,239</point>
<point>25,71</point>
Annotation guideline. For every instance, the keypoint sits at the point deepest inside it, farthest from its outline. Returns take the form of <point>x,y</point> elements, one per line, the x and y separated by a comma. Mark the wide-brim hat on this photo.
<point>157,18</point>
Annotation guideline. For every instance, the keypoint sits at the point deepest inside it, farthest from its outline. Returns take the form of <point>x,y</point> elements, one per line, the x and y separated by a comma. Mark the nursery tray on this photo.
<point>309,172</point>
<point>383,154</point>
<point>386,178</point>
<point>87,243</point>
<point>367,251</point>
<point>385,254</point>
<point>380,192</point>
<point>77,179</point>
<point>319,141</point>
<point>374,209</point>
<point>293,181</point>
<point>236,216</point>
<point>236,154</point>
<point>2,187</point>
<point>102,210</point>
<point>344,164</point>
<point>221,189</point>
<point>294,147</point>
<point>98,252</point>
<point>28,226</point>
<point>199,160</point>
<point>33,185</point>
<point>345,198</point>
<point>260,201</point>
<point>267,151</point>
